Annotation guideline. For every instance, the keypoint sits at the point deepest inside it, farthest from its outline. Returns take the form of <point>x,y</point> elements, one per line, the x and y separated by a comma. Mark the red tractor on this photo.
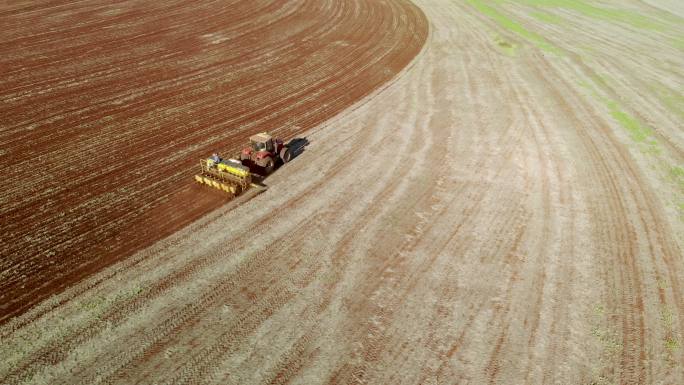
<point>265,152</point>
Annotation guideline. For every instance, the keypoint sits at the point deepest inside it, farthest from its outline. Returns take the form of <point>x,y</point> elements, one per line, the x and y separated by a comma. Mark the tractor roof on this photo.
<point>261,137</point>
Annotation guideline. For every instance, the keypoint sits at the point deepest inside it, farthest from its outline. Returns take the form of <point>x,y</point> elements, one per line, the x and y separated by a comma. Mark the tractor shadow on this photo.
<point>297,146</point>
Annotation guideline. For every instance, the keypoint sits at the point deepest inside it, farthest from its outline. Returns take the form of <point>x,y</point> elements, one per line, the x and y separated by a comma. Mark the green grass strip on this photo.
<point>513,26</point>
<point>547,18</point>
<point>637,131</point>
<point>631,18</point>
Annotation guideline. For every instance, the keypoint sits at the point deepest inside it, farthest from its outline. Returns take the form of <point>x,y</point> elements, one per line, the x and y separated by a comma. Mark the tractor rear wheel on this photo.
<point>285,155</point>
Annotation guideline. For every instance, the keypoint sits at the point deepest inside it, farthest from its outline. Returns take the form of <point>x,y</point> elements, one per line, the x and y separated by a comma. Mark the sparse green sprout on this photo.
<point>609,341</point>
<point>666,317</point>
<point>662,284</point>
<point>93,303</point>
<point>671,344</point>
<point>599,309</point>
<point>677,174</point>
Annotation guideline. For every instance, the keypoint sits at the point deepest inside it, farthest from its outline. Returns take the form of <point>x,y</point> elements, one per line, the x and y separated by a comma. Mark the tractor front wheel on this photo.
<point>268,166</point>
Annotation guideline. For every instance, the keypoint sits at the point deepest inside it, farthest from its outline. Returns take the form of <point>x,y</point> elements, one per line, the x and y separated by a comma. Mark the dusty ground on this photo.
<point>509,210</point>
<point>106,108</point>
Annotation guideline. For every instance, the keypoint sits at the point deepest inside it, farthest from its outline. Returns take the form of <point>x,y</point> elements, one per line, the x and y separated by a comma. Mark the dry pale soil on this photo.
<point>508,209</point>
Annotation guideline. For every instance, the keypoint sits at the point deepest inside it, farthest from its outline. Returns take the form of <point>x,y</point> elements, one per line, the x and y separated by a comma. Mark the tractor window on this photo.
<point>258,146</point>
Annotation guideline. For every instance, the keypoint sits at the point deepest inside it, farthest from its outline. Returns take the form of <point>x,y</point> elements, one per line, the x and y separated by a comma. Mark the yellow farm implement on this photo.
<point>229,175</point>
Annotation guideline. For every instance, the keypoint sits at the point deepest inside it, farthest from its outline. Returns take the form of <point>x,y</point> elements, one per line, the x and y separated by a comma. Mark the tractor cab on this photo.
<point>262,142</point>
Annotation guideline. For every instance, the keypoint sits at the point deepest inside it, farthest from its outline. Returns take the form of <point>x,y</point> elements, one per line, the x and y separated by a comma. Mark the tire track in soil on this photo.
<point>621,235</point>
<point>351,373</point>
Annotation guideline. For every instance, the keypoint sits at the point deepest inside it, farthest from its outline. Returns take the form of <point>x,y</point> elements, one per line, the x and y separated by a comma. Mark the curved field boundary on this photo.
<point>106,107</point>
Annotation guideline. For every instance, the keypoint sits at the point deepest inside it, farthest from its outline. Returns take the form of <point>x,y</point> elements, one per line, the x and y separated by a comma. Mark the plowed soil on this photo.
<point>106,108</point>
<point>509,209</point>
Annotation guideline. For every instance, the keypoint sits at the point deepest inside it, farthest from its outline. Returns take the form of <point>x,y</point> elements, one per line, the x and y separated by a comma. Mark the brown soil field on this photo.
<point>106,108</point>
<point>508,209</point>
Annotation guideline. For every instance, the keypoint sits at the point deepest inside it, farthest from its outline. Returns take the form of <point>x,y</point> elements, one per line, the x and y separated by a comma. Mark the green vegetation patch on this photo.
<point>504,21</point>
<point>548,18</point>
<point>673,101</point>
<point>637,131</point>
<point>94,303</point>
<point>678,43</point>
<point>508,47</point>
<point>584,7</point>
<point>667,320</point>
<point>671,344</point>
<point>677,174</point>
<point>609,340</point>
